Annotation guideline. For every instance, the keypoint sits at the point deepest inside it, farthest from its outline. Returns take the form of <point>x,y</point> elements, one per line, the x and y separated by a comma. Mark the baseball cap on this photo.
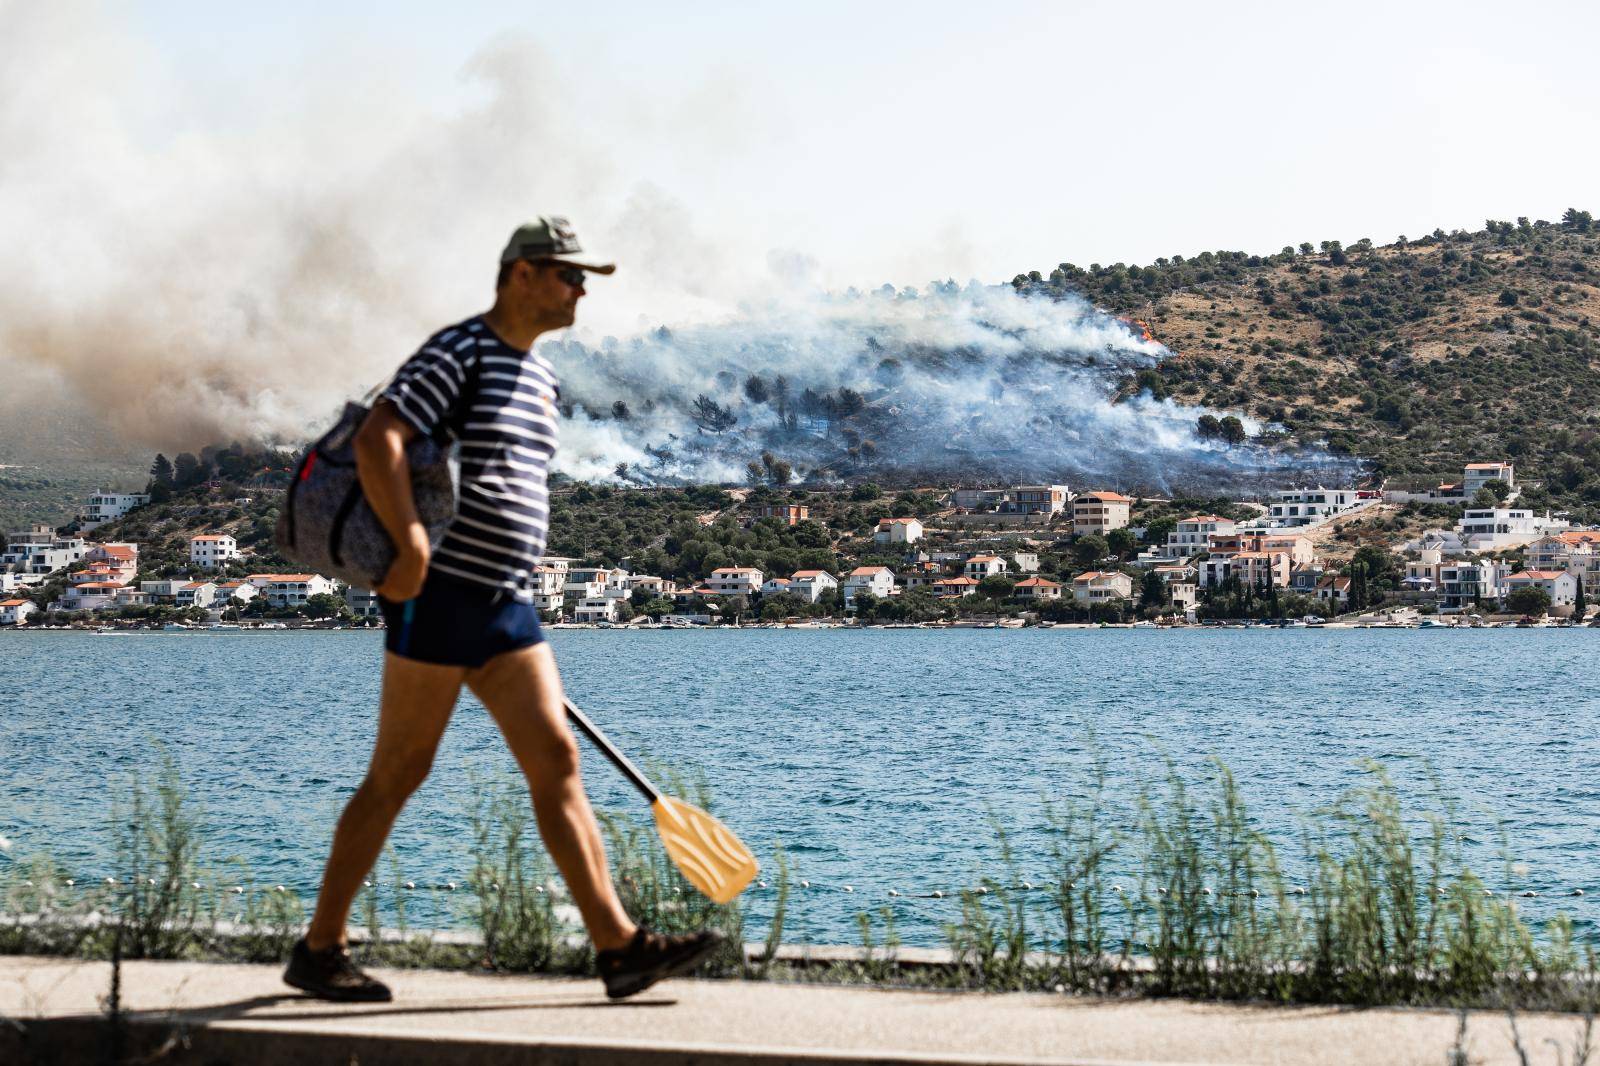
<point>549,237</point>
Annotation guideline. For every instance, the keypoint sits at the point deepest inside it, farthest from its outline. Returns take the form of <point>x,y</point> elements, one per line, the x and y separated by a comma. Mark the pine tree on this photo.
<point>1580,606</point>
<point>161,470</point>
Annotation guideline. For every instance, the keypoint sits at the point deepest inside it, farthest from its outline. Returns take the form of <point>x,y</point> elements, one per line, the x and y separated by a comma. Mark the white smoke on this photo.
<point>972,380</point>
<point>177,285</point>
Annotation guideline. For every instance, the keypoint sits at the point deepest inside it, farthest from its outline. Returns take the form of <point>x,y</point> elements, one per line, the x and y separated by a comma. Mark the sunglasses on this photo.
<point>571,275</point>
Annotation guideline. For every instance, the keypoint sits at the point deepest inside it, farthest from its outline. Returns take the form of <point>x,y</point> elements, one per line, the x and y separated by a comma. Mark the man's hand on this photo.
<point>409,570</point>
<point>386,481</point>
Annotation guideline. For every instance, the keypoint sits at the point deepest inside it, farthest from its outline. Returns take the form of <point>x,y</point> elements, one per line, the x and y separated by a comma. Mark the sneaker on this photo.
<point>329,974</point>
<point>651,957</point>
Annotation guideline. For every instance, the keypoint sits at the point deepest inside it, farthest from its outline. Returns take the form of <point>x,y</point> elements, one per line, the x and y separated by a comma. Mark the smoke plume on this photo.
<point>172,284</point>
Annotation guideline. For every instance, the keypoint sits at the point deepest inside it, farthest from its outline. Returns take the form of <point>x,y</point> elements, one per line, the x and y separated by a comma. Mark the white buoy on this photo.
<point>279,888</point>
<point>1205,892</point>
<point>450,886</point>
<point>1529,894</point>
<point>1488,892</point>
<point>1577,892</point>
<point>761,884</point>
<point>70,882</point>
<point>366,884</point>
<point>1255,893</point>
<point>805,884</point>
<point>238,890</point>
<point>540,888</point>
<point>1299,891</point>
<point>937,894</point>
<point>983,890</point>
<point>494,886</point>
<point>1161,890</point>
<point>194,884</point>
<point>896,892</point>
<point>1028,885</point>
<point>849,888</point>
<point>411,884</point>
<point>1116,888</point>
<point>151,881</point>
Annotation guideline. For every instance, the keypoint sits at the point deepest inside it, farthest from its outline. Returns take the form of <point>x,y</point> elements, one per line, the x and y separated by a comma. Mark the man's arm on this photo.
<point>385,473</point>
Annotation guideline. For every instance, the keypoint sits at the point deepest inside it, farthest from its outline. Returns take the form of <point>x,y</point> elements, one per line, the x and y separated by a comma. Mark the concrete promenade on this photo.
<point>53,1011</point>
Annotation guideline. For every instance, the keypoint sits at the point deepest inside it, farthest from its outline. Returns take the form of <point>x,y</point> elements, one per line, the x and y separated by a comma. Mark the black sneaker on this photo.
<point>651,957</point>
<point>329,974</point>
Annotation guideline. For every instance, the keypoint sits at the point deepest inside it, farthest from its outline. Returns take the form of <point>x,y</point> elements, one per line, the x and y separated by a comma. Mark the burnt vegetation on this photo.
<point>1416,356</point>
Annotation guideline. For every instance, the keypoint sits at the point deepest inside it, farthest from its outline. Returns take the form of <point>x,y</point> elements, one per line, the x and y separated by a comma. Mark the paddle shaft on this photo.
<point>609,750</point>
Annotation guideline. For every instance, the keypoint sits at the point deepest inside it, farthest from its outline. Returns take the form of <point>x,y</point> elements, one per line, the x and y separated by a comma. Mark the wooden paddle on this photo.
<point>704,850</point>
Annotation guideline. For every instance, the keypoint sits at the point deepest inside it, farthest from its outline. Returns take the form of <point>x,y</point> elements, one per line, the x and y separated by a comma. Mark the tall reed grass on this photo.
<point>1384,910</point>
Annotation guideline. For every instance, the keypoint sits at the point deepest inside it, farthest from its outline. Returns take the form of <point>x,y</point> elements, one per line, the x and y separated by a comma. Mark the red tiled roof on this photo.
<point>1204,518</point>
<point>984,559</point>
<point>13,603</point>
<point>1486,466</point>
<point>1090,575</point>
<point>1537,575</point>
<point>1037,582</point>
<point>210,536</point>
<point>798,574</point>
<point>1105,497</point>
<point>863,570</point>
<point>735,570</point>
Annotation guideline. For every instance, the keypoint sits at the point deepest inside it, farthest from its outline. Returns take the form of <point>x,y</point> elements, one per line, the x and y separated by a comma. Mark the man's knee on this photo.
<point>392,782</point>
<point>555,761</point>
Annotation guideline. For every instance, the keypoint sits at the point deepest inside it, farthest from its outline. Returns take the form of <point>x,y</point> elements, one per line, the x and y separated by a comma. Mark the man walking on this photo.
<point>463,614</point>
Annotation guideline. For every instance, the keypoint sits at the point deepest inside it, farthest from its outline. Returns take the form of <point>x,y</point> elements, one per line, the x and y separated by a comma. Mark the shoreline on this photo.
<point>813,626</point>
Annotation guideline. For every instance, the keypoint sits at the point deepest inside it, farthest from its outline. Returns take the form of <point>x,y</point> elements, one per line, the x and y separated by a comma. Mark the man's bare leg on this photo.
<point>416,705</point>
<point>522,690</point>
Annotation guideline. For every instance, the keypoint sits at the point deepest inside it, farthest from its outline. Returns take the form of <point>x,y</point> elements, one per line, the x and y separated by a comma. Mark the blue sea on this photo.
<point>878,759</point>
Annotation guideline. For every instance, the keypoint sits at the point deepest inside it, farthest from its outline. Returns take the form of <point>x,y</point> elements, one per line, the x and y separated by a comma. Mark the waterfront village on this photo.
<point>993,557</point>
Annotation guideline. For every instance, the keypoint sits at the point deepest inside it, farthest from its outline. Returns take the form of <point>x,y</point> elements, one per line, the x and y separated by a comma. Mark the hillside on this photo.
<point>1416,355</point>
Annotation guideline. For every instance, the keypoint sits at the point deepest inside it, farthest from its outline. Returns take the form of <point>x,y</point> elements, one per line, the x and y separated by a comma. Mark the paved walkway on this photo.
<point>242,1014</point>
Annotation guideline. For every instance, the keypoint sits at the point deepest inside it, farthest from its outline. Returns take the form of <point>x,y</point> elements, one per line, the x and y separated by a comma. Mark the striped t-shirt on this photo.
<point>508,437</point>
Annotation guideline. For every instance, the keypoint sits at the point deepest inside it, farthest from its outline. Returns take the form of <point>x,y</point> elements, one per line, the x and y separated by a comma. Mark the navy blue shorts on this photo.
<point>458,623</point>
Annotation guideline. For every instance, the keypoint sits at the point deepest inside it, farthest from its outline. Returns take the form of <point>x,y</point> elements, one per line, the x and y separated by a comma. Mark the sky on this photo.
<point>892,141</point>
<point>233,215</point>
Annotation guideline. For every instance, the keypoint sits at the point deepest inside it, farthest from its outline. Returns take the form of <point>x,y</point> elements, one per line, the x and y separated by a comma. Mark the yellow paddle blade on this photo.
<point>704,850</point>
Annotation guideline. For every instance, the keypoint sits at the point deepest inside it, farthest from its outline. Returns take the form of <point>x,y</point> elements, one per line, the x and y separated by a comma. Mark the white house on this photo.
<point>105,505</point>
<point>1036,499</point>
<point>363,603</point>
<point>1489,529</point>
<point>735,581</point>
<point>212,550</point>
<point>654,586</point>
<point>1477,475</point>
<point>589,582</point>
<point>1560,586</point>
<point>38,551</point>
<point>196,594</point>
<point>232,592</point>
<point>1192,535</point>
<point>291,590</point>
<point>809,585</point>
<point>898,531</point>
<point>1100,512</point>
<point>1422,573</point>
<point>1309,507</point>
<point>981,566</point>
<point>1334,589</point>
<point>878,580</point>
<point>1098,586</point>
<point>1036,588</point>
<point>596,609</point>
<point>15,612</point>
<point>1464,585</point>
<point>89,596</point>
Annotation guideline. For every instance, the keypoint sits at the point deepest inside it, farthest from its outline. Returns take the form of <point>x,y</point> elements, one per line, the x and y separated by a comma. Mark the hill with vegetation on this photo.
<point>1416,356</point>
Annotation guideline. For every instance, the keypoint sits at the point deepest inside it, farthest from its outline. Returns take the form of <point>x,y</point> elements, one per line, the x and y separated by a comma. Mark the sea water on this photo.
<point>879,759</point>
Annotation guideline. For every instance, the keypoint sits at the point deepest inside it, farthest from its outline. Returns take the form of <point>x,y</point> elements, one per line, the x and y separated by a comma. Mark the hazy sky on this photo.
<point>900,142</point>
